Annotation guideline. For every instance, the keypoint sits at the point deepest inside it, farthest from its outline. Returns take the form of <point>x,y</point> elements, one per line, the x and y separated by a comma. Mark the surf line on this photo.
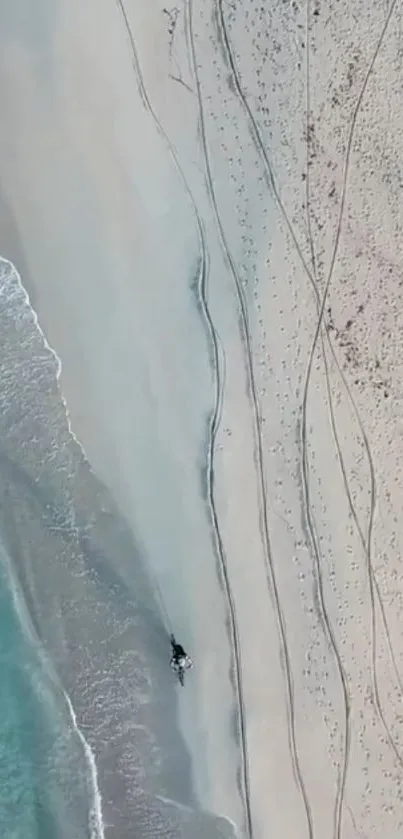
<point>96,823</point>
<point>9,274</point>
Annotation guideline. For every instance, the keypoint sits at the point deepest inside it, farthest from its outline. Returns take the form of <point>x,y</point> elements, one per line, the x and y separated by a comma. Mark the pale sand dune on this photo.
<point>308,498</point>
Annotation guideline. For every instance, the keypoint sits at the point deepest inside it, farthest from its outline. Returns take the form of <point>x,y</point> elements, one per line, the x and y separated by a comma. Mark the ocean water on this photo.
<point>90,744</point>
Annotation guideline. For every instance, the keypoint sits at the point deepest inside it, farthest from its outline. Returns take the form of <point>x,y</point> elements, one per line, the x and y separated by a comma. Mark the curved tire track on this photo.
<point>365,543</point>
<point>272,583</point>
<point>213,425</point>
<point>270,179</point>
<point>346,742</point>
<point>304,440</point>
<point>323,614</point>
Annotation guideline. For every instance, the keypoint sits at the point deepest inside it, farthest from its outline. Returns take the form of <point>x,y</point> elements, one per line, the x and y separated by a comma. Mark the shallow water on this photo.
<point>42,771</point>
<point>80,625</point>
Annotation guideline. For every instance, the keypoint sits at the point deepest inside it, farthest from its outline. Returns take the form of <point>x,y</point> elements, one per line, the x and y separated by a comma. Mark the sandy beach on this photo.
<point>204,203</point>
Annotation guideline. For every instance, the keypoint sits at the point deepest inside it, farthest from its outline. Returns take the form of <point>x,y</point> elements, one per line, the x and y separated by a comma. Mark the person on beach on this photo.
<point>180,661</point>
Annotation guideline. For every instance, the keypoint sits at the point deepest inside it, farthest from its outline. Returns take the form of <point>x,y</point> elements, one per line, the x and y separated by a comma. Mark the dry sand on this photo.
<point>280,136</point>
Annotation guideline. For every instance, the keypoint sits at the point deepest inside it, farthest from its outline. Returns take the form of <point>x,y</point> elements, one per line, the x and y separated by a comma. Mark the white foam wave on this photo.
<point>96,823</point>
<point>9,274</point>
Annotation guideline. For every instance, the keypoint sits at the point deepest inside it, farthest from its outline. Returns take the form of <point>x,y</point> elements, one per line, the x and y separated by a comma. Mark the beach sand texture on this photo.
<point>204,201</point>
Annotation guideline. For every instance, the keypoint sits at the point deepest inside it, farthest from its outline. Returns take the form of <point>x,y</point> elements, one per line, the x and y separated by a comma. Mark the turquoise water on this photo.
<point>36,747</point>
<point>20,718</point>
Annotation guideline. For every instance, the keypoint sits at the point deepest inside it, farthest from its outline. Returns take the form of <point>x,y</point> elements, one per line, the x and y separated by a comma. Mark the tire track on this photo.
<point>219,371</point>
<point>307,132</point>
<point>305,465</point>
<point>246,340</point>
<point>346,740</point>
<point>324,618</point>
<point>270,180</point>
<point>372,584</point>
